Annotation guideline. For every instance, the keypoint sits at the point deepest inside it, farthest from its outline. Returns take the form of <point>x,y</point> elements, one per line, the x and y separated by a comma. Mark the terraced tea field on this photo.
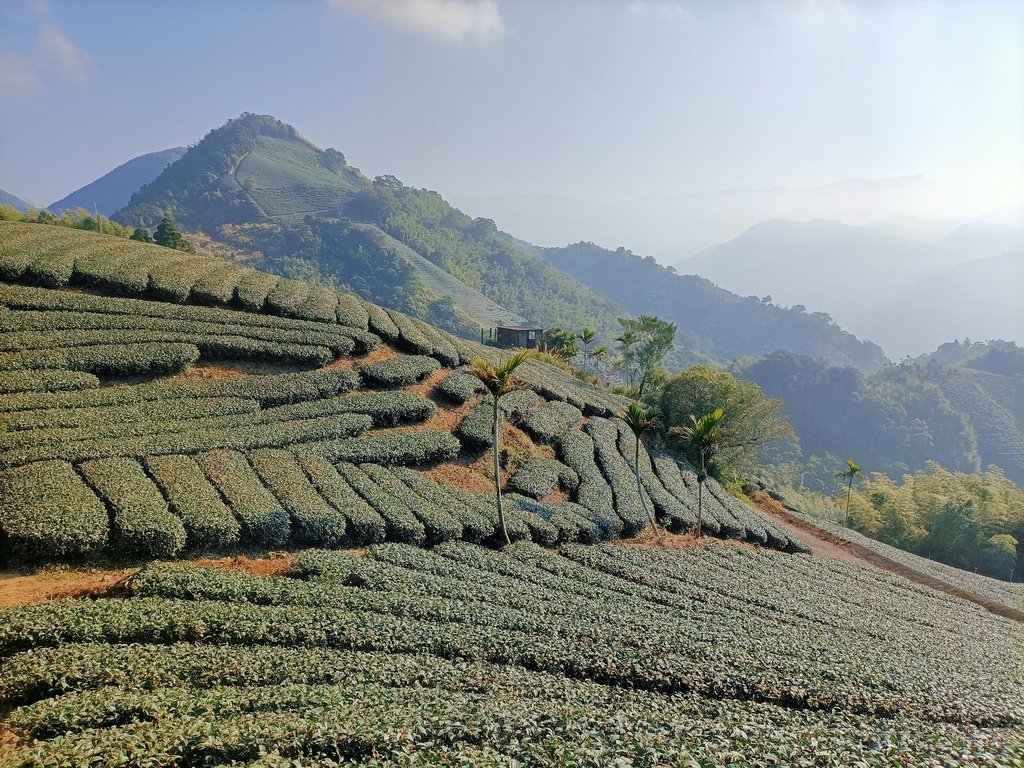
<point>461,655</point>
<point>158,406</point>
<point>136,425</point>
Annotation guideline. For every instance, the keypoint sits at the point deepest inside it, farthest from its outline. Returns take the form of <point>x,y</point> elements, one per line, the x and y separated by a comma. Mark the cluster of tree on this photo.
<point>960,416</point>
<point>968,520</point>
<point>73,219</point>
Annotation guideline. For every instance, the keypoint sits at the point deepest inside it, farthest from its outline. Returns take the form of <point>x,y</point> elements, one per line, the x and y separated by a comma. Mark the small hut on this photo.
<point>514,335</point>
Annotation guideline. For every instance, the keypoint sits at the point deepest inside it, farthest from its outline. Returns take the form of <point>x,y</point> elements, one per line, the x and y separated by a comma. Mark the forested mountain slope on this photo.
<point>257,183</point>
<point>713,323</point>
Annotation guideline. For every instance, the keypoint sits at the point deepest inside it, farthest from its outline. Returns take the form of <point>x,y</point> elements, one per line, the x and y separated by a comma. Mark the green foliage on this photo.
<point>562,343</point>
<point>460,387</point>
<point>48,512</point>
<point>168,236</point>
<point>751,424</point>
<point>644,344</point>
<point>398,371</point>
<point>349,660</point>
<point>315,522</point>
<point>263,521</point>
<point>208,522</point>
<point>537,477</point>
<point>142,523</point>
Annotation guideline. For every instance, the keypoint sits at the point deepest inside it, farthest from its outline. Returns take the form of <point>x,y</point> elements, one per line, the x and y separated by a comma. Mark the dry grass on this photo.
<point>274,564</point>
<point>426,386</point>
<point>53,584</point>
<point>461,476</point>
<point>557,496</point>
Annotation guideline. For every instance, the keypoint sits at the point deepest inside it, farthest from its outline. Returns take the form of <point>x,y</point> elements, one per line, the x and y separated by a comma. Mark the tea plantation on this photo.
<point>134,430</point>
<point>157,406</point>
<point>461,655</point>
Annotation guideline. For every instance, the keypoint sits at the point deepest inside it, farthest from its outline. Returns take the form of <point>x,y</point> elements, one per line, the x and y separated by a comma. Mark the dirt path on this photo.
<point>825,544</point>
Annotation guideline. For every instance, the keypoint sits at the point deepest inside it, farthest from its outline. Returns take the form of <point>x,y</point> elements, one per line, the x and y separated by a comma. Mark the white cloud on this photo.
<point>666,9</point>
<point>458,21</point>
<point>55,53</point>
<point>52,57</point>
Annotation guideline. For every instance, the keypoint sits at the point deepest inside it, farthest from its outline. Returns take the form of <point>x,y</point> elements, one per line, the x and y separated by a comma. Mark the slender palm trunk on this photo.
<point>849,490</point>
<point>640,489</point>
<point>495,435</point>
<point>700,504</point>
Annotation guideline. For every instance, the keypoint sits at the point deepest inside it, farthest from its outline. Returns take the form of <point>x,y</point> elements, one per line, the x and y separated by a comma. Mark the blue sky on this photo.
<point>594,99</point>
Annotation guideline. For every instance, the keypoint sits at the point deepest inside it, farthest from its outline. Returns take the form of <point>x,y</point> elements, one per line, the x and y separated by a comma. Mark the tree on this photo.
<point>599,355</point>
<point>851,471</point>
<point>754,422</point>
<point>587,336</point>
<point>499,382</point>
<point>644,344</point>
<point>561,343</point>
<point>639,420</point>
<point>142,235</point>
<point>167,234</point>
<point>702,443</point>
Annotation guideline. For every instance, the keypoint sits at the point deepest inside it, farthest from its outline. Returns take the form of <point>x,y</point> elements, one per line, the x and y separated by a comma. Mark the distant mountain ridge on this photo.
<point>736,327</point>
<point>6,198</point>
<point>112,191</point>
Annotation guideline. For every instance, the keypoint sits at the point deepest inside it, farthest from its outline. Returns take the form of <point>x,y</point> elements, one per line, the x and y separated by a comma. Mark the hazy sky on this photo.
<point>598,99</point>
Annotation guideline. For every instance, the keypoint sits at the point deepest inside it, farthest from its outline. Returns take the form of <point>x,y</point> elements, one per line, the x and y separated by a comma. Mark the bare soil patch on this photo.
<point>274,564</point>
<point>51,584</point>
<point>425,387</point>
<point>461,476</point>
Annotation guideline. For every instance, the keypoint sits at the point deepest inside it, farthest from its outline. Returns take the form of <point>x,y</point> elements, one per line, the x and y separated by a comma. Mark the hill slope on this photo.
<point>713,323</point>
<point>184,404</point>
<point>311,205</point>
<point>6,198</point>
<point>977,300</point>
<point>112,191</point>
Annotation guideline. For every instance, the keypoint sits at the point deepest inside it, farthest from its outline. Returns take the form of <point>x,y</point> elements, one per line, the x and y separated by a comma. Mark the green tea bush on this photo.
<point>321,305</point>
<point>550,421</point>
<point>398,371</point>
<point>386,409</point>
<point>263,521</point>
<point>364,525</point>
<point>287,297</point>
<point>46,511</point>
<point>618,474</point>
<point>106,359</point>
<point>379,321</point>
<point>537,477</point>
<point>12,382</point>
<point>669,511</point>
<point>459,387</point>
<point>252,289</point>
<point>476,527</point>
<point>208,522</point>
<point>142,523</point>
<point>410,337</point>
<point>316,522</point>
<point>438,523</point>
<point>351,312</point>
<point>389,449</point>
<point>474,431</point>
<point>402,524</point>
<point>577,452</point>
<point>217,286</point>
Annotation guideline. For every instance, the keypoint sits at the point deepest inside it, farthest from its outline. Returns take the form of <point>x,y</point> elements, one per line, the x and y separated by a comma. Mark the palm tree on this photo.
<point>587,335</point>
<point>499,382</point>
<point>639,421</point>
<point>599,355</point>
<point>704,442</point>
<point>851,471</point>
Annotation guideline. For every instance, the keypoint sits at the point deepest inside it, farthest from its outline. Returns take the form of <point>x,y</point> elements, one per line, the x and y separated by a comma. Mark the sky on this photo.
<point>593,99</point>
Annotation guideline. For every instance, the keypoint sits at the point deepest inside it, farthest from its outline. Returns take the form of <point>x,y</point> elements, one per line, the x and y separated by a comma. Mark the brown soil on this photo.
<point>461,476</point>
<point>274,564</point>
<point>383,352</point>
<point>825,544</point>
<point>557,496</point>
<point>50,584</point>
<point>425,387</point>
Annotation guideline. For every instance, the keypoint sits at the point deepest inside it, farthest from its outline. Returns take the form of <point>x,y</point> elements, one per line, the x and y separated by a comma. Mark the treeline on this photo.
<point>898,420</point>
<point>968,520</point>
<point>77,219</point>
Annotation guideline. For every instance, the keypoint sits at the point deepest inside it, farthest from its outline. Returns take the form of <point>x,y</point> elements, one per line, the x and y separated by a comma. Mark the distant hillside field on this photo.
<point>111,192</point>
<point>182,404</point>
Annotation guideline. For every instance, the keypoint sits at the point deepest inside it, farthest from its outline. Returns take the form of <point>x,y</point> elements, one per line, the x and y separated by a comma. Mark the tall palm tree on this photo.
<point>639,421</point>
<point>704,442</point>
<point>851,471</point>
<point>587,336</point>
<point>499,382</point>
<point>599,355</point>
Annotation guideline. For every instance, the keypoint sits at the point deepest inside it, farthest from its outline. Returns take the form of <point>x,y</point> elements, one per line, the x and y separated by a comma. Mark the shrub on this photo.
<point>287,297</point>
<point>142,523</point>
<point>619,476</point>
<point>398,371</point>
<point>577,451</point>
<point>537,477</point>
<point>474,431</point>
<point>387,409</point>
<point>460,387</point>
<point>217,286</point>
<point>364,526</point>
<point>46,381</point>
<point>401,523</point>
<point>321,305</point>
<point>670,474</point>
<point>351,312</point>
<point>316,521</point>
<point>410,337</point>
<point>253,288</point>
<point>208,522</point>
<point>437,522</point>
<point>264,522</point>
<point>46,511</point>
<point>476,527</point>
<point>404,448</point>
<point>671,512</point>
<point>379,321</point>
<point>106,359</point>
<point>550,421</point>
